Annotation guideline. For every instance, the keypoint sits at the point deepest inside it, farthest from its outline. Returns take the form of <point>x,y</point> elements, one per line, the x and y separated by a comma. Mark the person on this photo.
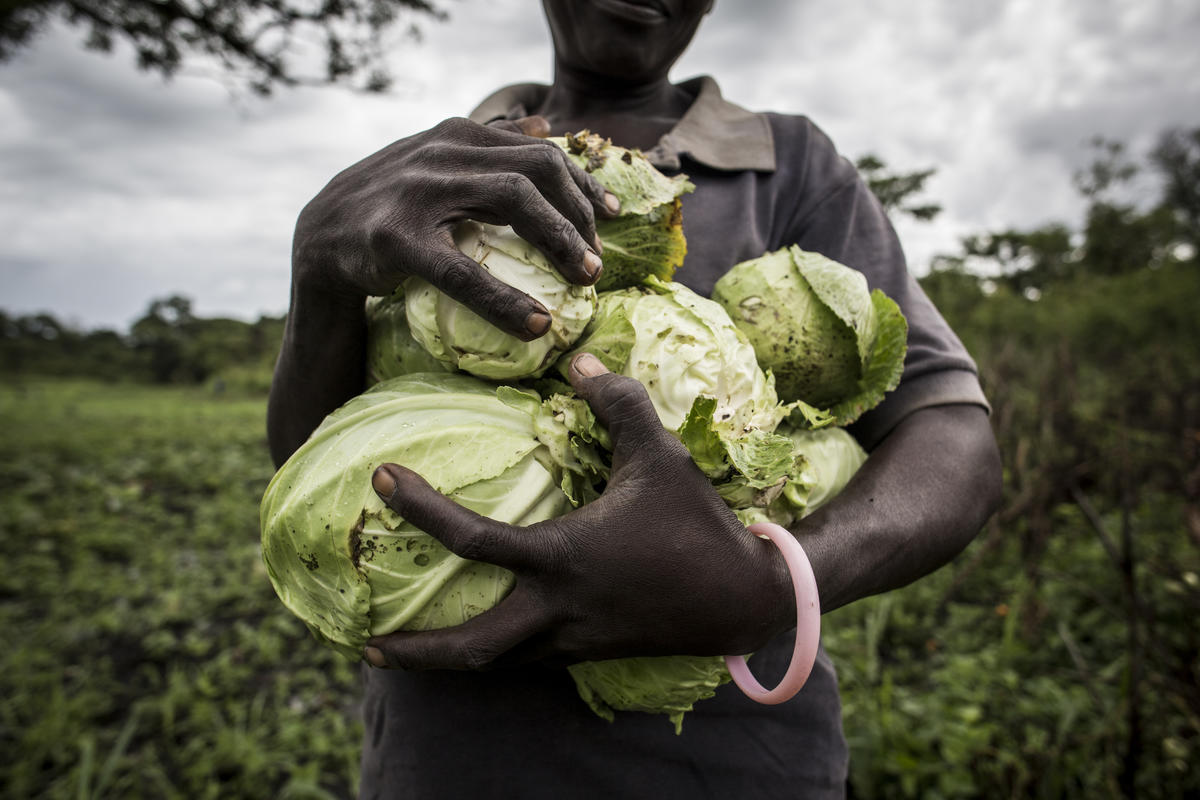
<point>657,565</point>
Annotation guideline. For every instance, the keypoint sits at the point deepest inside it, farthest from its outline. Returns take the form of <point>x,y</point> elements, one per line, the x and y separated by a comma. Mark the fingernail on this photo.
<point>611,202</point>
<point>375,656</point>
<point>383,483</point>
<point>598,245</point>
<point>588,365</point>
<point>538,322</point>
<point>592,264</point>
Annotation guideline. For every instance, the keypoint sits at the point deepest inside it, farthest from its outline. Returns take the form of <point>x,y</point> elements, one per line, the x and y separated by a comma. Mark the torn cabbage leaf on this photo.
<point>646,238</point>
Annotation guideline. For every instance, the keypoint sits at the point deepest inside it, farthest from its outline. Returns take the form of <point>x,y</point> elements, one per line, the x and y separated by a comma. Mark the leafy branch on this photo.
<point>259,42</point>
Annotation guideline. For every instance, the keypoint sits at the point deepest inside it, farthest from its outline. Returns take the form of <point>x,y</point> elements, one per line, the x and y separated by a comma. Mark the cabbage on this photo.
<point>831,457</point>
<point>703,380</point>
<point>646,239</point>
<point>458,337</point>
<point>391,349</point>
<point>830,342</point>
<point>670,685</point>
<point>351,568</point>
<point>681,346</point>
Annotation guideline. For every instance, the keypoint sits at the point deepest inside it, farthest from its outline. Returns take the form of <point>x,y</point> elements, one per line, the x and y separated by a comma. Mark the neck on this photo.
<point>631,113</point>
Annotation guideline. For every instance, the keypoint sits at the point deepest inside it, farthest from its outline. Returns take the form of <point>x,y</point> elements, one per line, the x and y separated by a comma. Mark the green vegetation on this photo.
<point>1058,656</point>
<point>169,344</point>
<point>147,656</point>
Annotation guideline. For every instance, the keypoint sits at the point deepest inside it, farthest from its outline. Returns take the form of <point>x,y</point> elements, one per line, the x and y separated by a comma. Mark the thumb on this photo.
<point>534,126</point>
<point>620,403</point>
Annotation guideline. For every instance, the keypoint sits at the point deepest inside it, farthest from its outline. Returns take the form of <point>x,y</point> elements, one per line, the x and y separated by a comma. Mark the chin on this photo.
<point>623,40</point>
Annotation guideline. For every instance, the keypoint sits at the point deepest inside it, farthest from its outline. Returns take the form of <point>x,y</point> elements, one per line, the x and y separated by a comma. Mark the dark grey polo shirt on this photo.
<point>763,181</point>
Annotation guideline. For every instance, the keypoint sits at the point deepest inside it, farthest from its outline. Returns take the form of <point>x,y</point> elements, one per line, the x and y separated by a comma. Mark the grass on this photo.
<point>146,654</point>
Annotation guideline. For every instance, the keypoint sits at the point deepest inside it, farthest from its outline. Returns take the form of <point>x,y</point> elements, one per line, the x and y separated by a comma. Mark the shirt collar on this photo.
<point>713,131</point>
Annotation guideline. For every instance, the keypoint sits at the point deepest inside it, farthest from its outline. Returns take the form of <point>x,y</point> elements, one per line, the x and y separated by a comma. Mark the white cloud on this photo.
<point>119,188</point>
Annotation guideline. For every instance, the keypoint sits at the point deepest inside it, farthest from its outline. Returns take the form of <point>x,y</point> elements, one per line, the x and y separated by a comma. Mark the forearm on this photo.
<point>921,497</point>
<point>321,365</point>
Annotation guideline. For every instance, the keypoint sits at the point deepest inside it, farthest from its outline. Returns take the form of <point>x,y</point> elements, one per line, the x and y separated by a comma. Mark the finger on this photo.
<point>534,125</point>
<point>460,277</point>
<point>604,203</point>
<point>548,212</point>
<point>533,175</point>
<point>620,403</point>
<point>463,532</point>
<point>497,132</point>
<point>482,642</point>
<point>472,135</point>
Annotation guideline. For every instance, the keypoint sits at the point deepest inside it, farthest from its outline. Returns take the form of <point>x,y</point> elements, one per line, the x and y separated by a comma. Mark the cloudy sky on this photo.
<point>116,188</point>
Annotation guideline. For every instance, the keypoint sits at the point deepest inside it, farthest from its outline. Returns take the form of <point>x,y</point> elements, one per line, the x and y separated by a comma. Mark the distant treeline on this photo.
<point>1122,234</point>
<point>169,344</point>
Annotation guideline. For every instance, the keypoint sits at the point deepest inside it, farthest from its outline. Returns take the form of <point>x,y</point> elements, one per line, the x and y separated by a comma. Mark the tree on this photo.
<point>1177,159</point>
<point>163,337</point>
<point>1085,341</point>
<point>895,190</point>
<point>1025,260</point>
<point>253,41</point>
<point>1123,232</point>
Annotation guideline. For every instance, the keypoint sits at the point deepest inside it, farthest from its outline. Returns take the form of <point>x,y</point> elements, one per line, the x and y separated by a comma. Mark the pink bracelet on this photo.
<point>808,623</point>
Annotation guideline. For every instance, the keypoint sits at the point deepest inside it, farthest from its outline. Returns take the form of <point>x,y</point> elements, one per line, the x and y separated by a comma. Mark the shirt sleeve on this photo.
<point>836,214</point>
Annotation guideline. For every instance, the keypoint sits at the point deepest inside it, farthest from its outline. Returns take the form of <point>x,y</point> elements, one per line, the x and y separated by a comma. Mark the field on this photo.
<point>146,655</point>
<point>145,652</point>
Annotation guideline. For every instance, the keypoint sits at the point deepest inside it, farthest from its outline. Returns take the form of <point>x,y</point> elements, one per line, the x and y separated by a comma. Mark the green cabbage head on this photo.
<point>349,566</point>
<point>830,341</point>
<point>682,346</point>
<point>646,238</point>
<point>670,685</point>
<point>829,456</point>
<point>832,457</point>
<point>391,349</point>
<point>460,338</point>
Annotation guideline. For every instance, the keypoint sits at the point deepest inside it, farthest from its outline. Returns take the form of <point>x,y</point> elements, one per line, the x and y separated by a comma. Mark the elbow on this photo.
<point>984,484</point>
<point>968,470</point>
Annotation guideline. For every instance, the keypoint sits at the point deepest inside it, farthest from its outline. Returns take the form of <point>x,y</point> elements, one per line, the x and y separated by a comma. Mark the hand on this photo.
<point>392,215</point>
<point>658,565</point>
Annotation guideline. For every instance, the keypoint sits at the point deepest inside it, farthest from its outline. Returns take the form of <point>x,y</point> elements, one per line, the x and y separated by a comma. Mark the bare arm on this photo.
<point>320,365</point>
